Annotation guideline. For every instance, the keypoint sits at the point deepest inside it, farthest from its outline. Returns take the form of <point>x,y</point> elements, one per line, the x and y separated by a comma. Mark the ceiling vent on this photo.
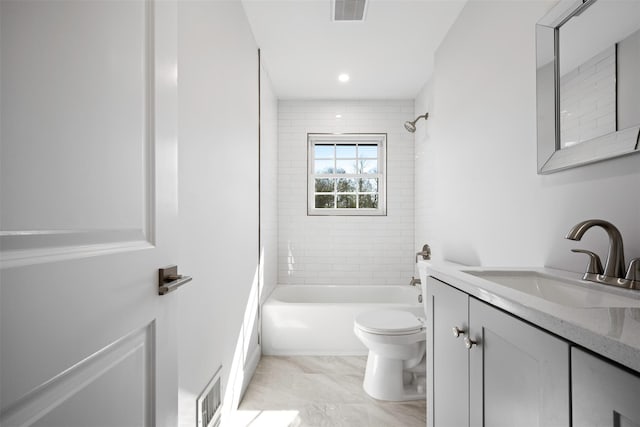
<point>349,10</point>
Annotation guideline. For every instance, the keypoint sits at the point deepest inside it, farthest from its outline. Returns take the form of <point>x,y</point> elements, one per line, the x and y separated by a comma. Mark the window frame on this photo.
<point>378,139</point>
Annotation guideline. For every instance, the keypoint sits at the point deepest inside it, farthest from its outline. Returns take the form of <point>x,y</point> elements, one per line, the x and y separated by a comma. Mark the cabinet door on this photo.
<point>602,393</point>
<point>519,374</point>
<point>448,365</point>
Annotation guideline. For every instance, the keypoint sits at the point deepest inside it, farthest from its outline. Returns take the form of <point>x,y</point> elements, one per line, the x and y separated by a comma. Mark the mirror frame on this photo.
<point>550,157</point>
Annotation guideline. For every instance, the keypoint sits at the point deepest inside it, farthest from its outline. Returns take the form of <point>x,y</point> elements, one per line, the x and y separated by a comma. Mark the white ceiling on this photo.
<point>389,55</point>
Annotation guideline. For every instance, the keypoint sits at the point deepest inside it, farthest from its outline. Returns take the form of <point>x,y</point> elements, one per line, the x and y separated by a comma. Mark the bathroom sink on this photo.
<point>558,290</point>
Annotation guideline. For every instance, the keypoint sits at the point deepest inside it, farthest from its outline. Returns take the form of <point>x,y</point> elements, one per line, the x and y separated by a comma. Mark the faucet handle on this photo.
<point>595,266</point>
<point>425,253</point>
<point>633,273</point>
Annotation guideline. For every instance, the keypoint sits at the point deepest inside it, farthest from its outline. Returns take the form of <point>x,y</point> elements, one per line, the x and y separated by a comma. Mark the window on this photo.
<point>346,174</point>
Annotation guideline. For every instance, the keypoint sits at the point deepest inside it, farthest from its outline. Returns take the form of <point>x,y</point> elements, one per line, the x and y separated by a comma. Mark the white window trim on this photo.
<point>379,139</point>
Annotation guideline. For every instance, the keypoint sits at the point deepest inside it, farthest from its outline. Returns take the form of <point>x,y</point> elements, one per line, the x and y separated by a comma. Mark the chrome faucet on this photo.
<point>614,267</point>
<point>414,282</point>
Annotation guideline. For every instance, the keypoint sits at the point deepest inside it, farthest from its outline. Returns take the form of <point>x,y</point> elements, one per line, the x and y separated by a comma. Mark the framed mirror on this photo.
<point>588,83</point>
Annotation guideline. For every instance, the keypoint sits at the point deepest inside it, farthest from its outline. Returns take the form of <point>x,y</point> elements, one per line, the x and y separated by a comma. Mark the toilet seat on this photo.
<point>389,322</point>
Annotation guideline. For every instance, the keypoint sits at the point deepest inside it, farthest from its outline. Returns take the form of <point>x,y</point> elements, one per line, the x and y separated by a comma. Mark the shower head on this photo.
<point>411,126</point>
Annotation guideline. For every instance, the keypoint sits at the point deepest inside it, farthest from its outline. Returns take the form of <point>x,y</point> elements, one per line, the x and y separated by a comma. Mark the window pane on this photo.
<point>347,201</point>
<point>368,201</point>
<point>369,185</point>
<point>325,201</point>
<point>368,166</point>
<point>346,166</point>
<point>324,185</point>
<point>347,185</point>
<point>346,174</point>
<point>368,151</point>
<point>324,151</point>
<point>345,151</point>
<point>323,166</point>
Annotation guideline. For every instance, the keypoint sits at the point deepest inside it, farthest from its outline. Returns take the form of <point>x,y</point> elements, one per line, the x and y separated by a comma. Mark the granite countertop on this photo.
<point>611,332</point>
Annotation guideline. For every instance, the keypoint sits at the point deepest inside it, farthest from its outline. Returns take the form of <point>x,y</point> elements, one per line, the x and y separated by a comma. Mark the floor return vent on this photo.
<point>209,403</point>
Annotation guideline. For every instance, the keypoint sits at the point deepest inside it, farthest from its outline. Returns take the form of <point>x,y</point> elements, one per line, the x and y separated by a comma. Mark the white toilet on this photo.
<point>396,341</point>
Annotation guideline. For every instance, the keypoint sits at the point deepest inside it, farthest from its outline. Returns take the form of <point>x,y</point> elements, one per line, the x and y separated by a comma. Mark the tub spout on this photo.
<point>414,282</point>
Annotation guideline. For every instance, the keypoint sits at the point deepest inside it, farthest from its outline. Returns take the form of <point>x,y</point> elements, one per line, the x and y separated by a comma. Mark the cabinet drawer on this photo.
<point>602,393</point>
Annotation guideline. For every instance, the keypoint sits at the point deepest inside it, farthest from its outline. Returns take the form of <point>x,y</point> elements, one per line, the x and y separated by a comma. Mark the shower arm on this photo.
<point>425,115</point>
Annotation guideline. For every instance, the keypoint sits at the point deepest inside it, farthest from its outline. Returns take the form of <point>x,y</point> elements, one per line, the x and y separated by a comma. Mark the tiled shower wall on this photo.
<point>334,250</point>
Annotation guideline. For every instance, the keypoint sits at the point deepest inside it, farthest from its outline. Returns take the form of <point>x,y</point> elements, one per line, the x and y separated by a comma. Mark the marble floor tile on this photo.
<point>310,391</point>
<point>397,414</point>
<point>334,415</point>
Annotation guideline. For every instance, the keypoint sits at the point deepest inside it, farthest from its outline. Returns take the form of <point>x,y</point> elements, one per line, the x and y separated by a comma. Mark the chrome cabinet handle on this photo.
<point>457,331</point>
<point>169,280</point>
<point>469,343</point>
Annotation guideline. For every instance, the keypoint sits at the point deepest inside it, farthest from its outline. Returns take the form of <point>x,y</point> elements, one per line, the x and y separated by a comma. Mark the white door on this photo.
<point>88,213</point>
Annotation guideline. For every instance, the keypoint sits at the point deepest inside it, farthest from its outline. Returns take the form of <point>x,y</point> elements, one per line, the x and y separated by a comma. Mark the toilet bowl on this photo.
<point>395,366</point>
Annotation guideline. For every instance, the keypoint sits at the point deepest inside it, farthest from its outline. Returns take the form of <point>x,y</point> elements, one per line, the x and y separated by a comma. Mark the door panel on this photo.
<point>89,210</point>
<point>76,128</point>
<point>75,106</point>
<point>519,374</point>
<point>119,366</point>
<point>515,388</point>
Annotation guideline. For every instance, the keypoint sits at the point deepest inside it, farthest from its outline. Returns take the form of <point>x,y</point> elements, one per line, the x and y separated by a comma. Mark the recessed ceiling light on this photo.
<point>338,116</point>
<point>344,77</point>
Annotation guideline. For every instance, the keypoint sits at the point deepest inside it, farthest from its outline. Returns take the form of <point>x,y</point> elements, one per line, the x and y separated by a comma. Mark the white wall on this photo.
<point>481,199</point>
<point>218,196</point>
<point>335,249</point>
<point>268,186</point>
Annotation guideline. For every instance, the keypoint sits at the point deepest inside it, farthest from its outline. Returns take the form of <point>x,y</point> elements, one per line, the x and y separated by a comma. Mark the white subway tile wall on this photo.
<point>336,250</point>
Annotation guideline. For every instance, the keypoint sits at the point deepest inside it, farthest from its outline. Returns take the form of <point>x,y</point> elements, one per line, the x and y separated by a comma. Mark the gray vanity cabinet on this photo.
<point>498,371</point>
<point>602,393</point>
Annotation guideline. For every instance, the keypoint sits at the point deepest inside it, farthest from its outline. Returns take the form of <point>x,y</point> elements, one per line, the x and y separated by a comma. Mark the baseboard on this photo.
<point>359,352</point>
<point>250,368</point>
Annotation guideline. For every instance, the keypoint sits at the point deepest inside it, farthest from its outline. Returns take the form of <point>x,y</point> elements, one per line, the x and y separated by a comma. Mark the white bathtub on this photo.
<point>316,320</point>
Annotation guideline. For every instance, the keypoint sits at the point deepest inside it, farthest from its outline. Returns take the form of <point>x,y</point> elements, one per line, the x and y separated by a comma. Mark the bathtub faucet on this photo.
<point>414,282</point>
